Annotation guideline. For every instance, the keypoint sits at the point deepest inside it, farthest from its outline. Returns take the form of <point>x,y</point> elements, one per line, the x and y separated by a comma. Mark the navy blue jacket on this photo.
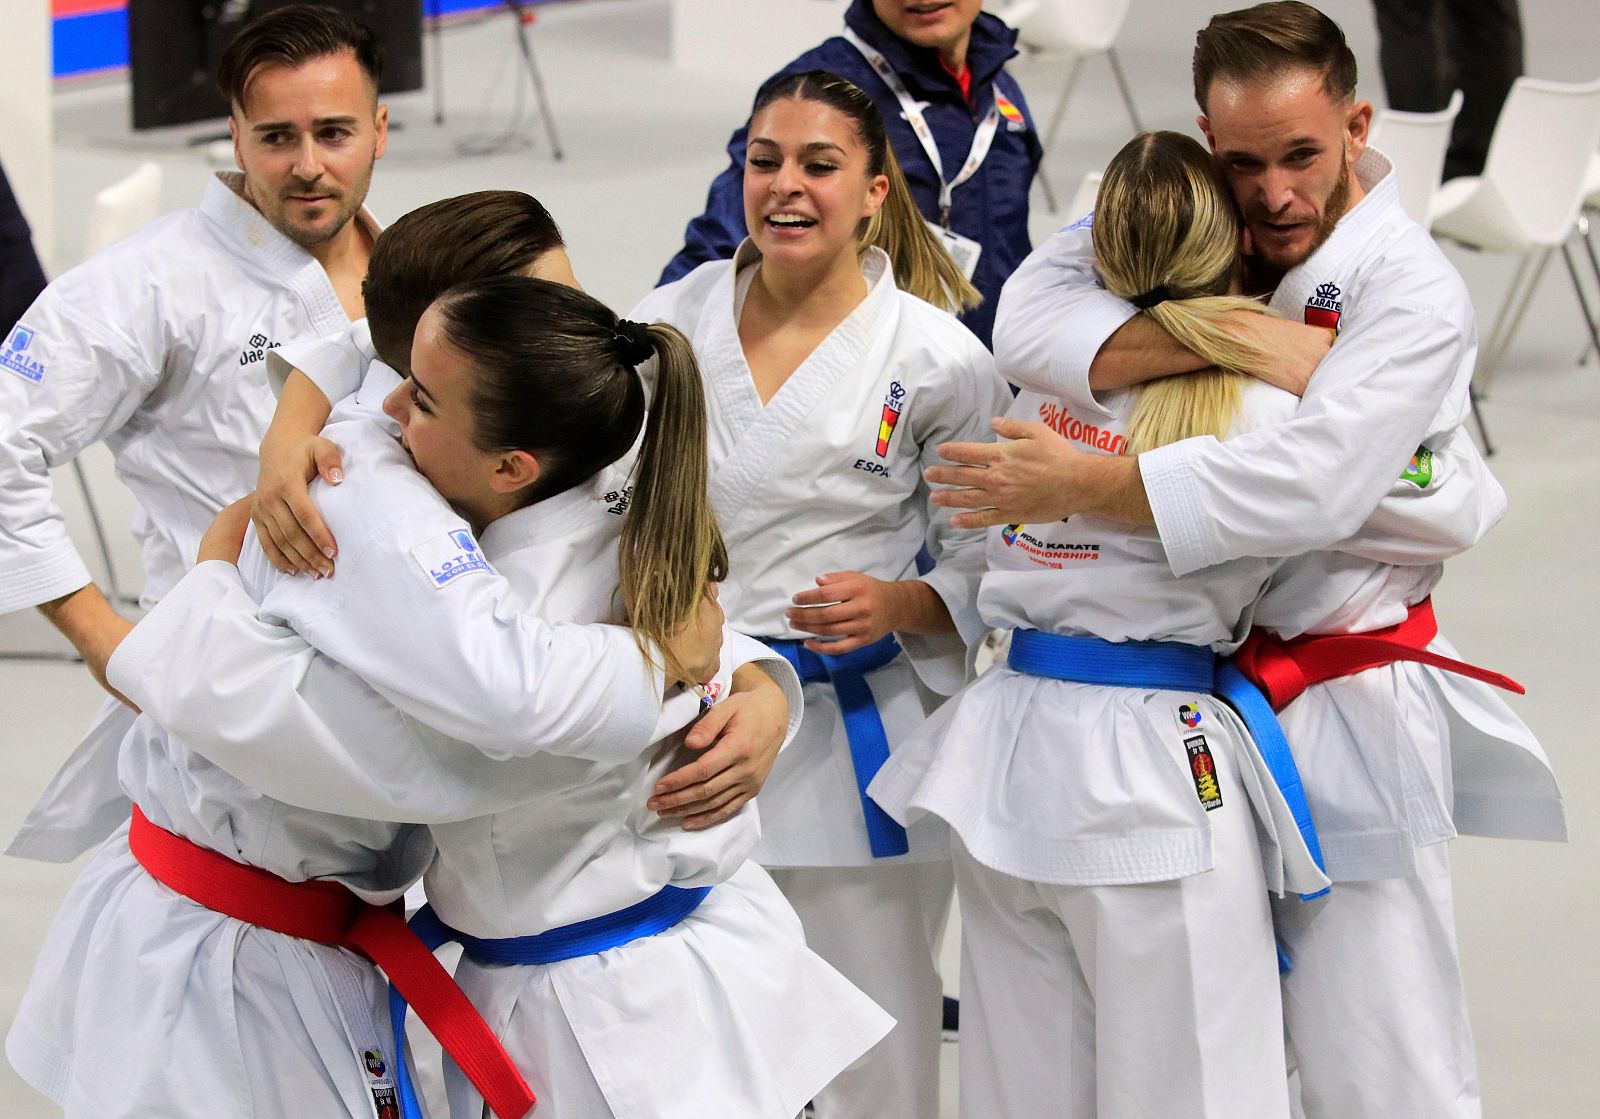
<point>21,278</point>
<point>991,207</point>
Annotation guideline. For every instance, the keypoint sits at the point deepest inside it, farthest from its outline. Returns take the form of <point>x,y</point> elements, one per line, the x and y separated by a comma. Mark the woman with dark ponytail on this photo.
<point>834,369</point>
<point>484,513</point>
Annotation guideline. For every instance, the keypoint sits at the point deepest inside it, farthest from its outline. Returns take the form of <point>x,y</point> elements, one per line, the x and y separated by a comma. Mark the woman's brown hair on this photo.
<point>922,265</point>
<point>556,376</point>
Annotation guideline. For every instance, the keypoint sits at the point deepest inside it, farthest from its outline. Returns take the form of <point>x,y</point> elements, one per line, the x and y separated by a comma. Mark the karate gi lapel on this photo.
<point>1316,290</point>
<point>270,251</point>
<point>751,436</point>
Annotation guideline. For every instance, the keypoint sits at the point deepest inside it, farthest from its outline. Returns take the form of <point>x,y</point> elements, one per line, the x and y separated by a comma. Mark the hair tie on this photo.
<point>633,342</point>
<point>1157,294</point>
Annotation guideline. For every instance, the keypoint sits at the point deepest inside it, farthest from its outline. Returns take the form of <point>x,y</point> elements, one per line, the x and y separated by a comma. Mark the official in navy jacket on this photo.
<point>991,207</point>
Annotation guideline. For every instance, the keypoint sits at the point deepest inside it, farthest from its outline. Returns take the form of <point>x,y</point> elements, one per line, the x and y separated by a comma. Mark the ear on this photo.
<point>1205,130</point>
<point>1358,128</point>
<point>877,191</point>
<point>381,123</point>
<point>515,471</point>
<point>233,134</point>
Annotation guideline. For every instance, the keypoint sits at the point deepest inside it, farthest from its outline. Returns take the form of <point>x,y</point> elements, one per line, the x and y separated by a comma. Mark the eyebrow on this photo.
<point>286,125</point>
<point>814,146</point>
<point>422,388</point>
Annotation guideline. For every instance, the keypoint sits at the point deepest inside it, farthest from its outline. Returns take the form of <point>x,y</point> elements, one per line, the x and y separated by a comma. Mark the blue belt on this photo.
<point>1171,666</point>
<point>863,727</point>
<point>584,938</point>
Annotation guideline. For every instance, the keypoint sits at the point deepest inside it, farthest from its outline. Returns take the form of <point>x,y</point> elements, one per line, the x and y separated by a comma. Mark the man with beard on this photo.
<point>1396,756</point>
<point>158,347</point>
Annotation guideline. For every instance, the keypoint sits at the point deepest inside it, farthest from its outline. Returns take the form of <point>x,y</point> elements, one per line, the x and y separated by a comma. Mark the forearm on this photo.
<point>86,619</point>
<point>302,410</point>
<point>915,607</point>
<point>1137,352</point>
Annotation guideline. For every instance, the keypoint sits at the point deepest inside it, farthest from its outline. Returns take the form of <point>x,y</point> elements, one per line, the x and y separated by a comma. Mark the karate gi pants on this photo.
<point>1374,1005</point>
<point>881,927</point>
<point>1155,1000</point>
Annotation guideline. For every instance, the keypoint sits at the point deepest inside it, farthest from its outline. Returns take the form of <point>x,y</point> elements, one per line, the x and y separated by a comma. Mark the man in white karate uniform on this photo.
<point>158,348</point>
<point>1396,759</point>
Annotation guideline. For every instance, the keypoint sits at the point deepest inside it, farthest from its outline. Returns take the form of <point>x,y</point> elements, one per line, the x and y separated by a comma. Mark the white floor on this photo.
<point>642,142</point>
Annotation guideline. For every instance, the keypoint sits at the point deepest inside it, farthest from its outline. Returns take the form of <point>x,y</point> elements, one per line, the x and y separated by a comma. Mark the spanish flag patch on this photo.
<point>1012,114</point>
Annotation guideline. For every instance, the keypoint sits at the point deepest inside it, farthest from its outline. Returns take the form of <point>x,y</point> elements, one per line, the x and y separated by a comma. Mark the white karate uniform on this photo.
<point>800,489</point>
<point>526,844</point>
<point>268,1024</point>
<point>156,346</point>
<point>1109,900</point>
<point>1395,758</point>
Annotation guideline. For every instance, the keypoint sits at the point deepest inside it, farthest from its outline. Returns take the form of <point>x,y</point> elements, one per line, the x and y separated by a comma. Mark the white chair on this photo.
<point>1416,143</point>
<point>119,209</point>
<point>1528,199</point>
<point>1070,31</point>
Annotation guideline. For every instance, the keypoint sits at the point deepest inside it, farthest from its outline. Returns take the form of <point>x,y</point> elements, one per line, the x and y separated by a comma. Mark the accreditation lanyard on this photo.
<point>919,124</point>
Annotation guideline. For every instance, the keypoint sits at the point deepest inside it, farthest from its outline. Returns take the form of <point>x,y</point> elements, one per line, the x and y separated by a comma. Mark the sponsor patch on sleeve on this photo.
<point>1204,768</point>
<point>1085,222</point>
<point>444,559</point>
<point>19,356</point>
<point>1419,471</point>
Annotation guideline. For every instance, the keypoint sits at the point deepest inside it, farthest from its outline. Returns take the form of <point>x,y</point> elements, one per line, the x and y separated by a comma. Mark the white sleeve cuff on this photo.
<point>58,571</point>
<point>1187,535</point>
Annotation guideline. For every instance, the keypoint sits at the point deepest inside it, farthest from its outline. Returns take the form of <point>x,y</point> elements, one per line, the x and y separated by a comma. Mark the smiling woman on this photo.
<point>833,372</point>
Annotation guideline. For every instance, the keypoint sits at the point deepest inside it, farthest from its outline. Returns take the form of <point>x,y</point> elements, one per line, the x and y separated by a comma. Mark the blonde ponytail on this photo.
<point>671,546</point>
<point>1165,229</point>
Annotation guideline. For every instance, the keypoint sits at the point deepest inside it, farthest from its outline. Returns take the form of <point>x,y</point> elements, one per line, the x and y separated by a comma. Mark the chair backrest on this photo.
<point>1083,199</point>
<point>1539,155</point>
<point>1591,183</point>
<point>1416,143</point>
<point>1080,27</point>
<point>123,207</point>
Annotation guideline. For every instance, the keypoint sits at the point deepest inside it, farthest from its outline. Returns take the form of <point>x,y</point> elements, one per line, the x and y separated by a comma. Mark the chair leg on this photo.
<point>1504,334</point>
<point>1586,226</point>
<point>1583,300</point>
<point>1056,117</point>
<point>102,542</point>
<point>1491,345</point>
<point>1122,84</point>
<point>1477,419</point>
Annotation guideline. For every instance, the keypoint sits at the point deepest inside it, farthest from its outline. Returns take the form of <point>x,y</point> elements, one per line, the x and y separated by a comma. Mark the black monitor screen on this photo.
<point>174,47</point>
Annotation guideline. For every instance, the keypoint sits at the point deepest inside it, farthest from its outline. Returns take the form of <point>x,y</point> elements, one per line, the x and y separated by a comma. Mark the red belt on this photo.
<point>1284,669</point>
<point>328,913</point>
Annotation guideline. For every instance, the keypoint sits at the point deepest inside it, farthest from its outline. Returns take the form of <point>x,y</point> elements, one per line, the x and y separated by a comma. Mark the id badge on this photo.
<point>963,250</point>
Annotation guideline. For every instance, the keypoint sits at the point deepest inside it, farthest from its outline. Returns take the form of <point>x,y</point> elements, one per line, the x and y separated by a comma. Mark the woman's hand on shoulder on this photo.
<point>292,532</point>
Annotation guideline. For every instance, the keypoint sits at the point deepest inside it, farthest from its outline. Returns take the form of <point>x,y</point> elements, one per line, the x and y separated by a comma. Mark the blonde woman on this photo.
<point>833,372</point>
<point>1106,805</point>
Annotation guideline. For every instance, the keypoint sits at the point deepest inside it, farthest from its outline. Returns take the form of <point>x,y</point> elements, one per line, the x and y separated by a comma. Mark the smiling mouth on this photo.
<point>790,221</point>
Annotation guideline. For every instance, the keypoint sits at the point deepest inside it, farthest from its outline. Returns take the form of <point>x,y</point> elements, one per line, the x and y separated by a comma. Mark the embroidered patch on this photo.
<point>1009,534</point>
<point>1085,222</point>
<point>1419,472</point>
<point>385,1099</point>
<point>1189,715</point>
<point>15,357</point>
<point>1012,114</point>
<point>893,403</point>
<point>257,349</point>
<point>1204,769</point>
<point>445,559</point>
<point>1324,307</point>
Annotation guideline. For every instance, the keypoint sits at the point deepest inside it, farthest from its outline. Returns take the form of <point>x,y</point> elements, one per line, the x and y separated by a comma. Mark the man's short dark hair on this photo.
<point>294,36</point>
<point>1268,40</point>
<point>440,245</point>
